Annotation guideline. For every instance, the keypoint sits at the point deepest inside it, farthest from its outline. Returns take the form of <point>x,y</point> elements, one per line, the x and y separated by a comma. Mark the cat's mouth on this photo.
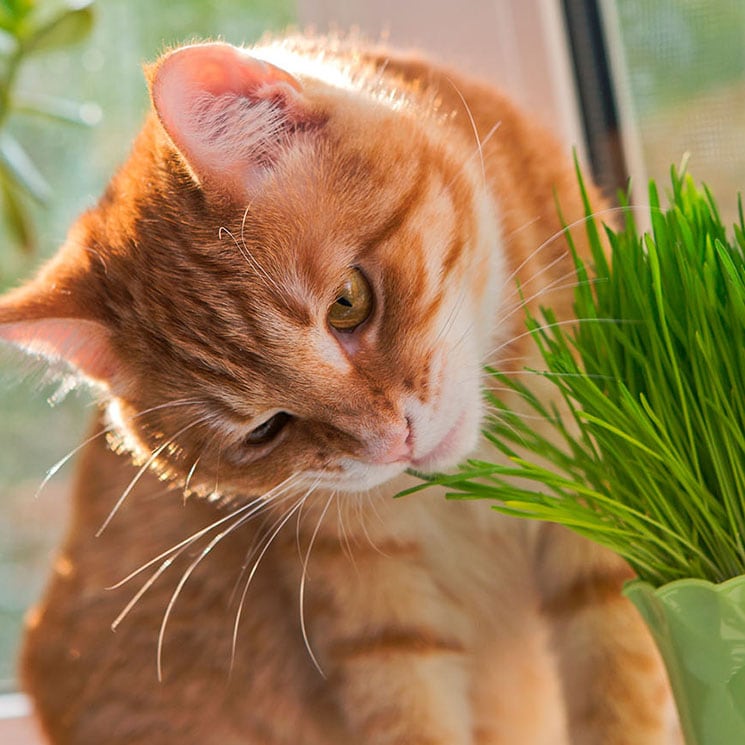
<point>355,475</point>
<point>447,449</point>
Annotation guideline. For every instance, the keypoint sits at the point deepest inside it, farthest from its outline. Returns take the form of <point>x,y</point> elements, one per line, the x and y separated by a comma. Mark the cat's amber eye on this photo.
<point>267,431</point>
<point>353,304</point>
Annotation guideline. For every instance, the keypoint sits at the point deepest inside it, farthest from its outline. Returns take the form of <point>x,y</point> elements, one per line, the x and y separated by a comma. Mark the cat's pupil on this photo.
<point>353,304</point>
<point>267,431</point>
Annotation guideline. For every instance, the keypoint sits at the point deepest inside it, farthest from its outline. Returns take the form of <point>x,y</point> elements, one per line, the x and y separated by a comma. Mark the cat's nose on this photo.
<point>396,448</point>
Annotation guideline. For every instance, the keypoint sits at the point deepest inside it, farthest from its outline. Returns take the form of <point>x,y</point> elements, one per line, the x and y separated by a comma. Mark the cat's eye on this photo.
<point>353,304</point>
<point>267,431</point>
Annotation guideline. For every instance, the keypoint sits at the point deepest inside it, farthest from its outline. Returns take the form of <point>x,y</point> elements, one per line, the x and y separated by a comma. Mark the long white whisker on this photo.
<point>371,499</point>
<point>247,253</point>
<point>554,286</point>
<point>140,473</point>
<point>543,270</point>
<point>297,527</point>
<point>249,259</point>
<point>343,535</point>
<point>267,543</point>
<point>496,413</point>
<point>185,578</point>
<point>189,476</point>
<point>549,374</point>
<point>515,433</point>
<point>272,497</point>
<point>490,134</point>
<point>51,472</point>
<point>608,211</point>
<point>250,509</point>
<point>258,546</point>
<point>551,239</point>
<point>216,487</point>
<point>479,144</point>
<point>150,582</point>
<point>545,327</point>
<point>521,302</point>
<point>362,520</point>
<point>302,586</point>
<point>480,147</point>
<point>450,320</point>
<point>255,505</point>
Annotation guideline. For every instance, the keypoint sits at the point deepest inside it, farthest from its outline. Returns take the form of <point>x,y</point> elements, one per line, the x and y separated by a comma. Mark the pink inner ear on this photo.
<point>223,109</point>
<point>220,69</point>
<point>83,344</point>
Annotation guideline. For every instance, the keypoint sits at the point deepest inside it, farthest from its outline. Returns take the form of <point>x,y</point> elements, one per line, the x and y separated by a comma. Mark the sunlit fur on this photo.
<point>286,597</point>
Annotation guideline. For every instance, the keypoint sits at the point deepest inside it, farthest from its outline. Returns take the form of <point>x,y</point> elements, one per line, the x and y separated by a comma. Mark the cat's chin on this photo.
<point>356,476</point>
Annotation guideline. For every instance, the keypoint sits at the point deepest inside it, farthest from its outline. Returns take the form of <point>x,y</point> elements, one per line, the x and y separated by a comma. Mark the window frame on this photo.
<point>17,724</point>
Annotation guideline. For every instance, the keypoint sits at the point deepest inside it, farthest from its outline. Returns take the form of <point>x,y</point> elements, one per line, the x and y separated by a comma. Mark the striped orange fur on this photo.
<point>236,525</point>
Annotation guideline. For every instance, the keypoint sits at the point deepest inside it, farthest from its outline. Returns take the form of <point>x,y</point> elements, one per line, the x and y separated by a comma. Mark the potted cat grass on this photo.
<point>652,463</point>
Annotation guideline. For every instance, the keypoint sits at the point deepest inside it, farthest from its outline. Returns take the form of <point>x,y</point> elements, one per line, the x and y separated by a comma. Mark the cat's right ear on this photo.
<point>54,318</point>
<point>229,114</point>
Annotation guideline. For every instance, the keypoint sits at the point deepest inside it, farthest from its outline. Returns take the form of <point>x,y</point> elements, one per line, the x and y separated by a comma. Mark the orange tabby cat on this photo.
<point>286,298</point>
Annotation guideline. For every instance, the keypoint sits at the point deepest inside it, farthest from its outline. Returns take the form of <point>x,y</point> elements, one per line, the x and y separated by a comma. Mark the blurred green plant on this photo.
<point>27,28</point>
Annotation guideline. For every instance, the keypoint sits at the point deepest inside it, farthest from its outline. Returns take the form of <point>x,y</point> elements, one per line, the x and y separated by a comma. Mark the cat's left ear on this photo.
<point>229,114</point>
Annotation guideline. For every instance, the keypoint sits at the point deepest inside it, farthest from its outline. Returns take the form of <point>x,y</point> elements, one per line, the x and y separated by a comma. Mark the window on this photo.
<point>519,45</point>
<point>679,71</point>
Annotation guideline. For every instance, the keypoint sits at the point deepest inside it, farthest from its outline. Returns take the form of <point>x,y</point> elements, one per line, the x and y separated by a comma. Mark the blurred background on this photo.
<point>633,84</point>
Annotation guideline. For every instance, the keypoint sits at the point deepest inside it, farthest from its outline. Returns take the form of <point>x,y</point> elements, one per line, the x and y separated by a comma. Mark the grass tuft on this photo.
<point>650,458</point>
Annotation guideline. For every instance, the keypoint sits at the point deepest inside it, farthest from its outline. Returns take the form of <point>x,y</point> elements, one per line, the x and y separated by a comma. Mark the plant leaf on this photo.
<point>12,13</point>
<point>20,169</point>
<point>51,107</point>
<point>17,220</point>
<point>8,42</point>
<point>67,28</point>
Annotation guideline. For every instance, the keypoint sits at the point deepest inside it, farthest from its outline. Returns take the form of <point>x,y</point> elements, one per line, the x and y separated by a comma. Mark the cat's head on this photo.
<point>294,273</point>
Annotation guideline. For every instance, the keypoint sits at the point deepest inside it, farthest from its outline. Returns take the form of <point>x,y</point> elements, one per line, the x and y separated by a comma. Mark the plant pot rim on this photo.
<point>639,585</point>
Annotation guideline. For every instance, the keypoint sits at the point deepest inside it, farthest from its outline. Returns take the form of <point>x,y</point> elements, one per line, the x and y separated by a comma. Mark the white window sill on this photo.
<point>17,727</point>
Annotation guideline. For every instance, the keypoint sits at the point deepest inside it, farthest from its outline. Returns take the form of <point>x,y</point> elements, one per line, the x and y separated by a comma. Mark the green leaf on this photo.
<point>50,107</point>
<point>13,12</point>
<point>65,29</point>
<point>8,42</point>
<point>17,220</point>
<point>19,170</point>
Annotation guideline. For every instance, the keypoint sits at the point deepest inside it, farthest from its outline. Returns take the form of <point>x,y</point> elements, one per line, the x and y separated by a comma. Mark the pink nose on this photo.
<point>395,449</point>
